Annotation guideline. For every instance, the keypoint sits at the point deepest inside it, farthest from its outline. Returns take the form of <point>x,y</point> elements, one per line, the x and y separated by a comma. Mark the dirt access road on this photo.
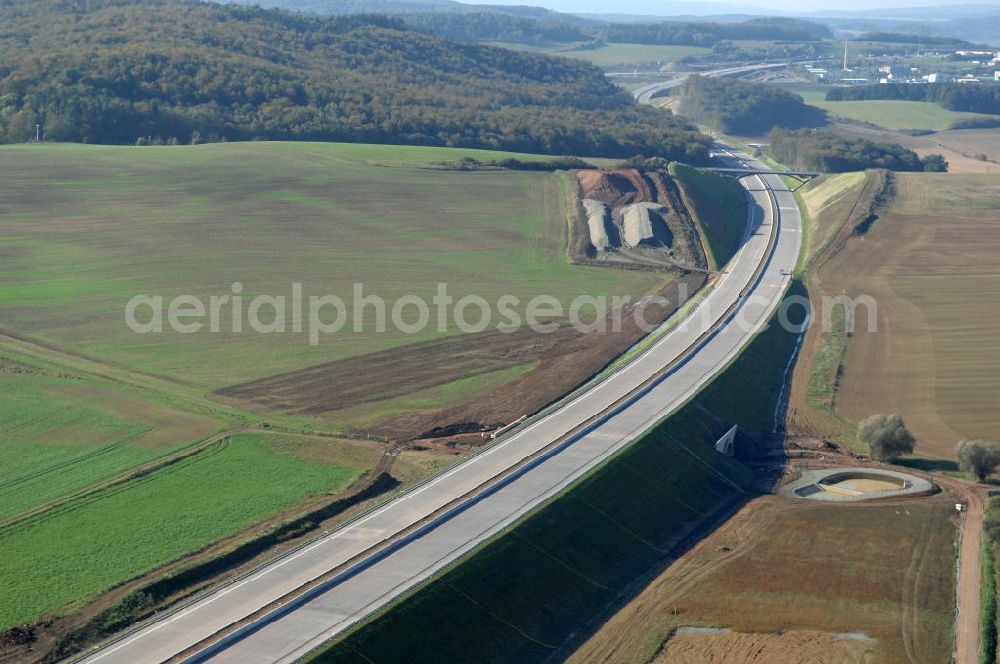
<point>970,568</point>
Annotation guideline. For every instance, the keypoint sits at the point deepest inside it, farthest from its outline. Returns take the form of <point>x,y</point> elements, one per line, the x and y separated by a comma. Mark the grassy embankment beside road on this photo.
<point>718,206</point>
<point>990,616</point>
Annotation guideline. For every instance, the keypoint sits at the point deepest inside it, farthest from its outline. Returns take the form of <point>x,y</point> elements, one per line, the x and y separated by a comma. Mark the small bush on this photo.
<point>886,437</point>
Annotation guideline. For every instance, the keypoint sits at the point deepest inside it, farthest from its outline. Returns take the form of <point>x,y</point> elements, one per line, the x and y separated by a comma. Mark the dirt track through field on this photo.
<point>970,567</point>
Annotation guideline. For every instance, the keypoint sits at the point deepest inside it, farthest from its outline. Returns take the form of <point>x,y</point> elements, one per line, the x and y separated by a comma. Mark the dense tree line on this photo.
<point>114,71</point>
<point>709,34</point>
<point>973,97</point>
<point>537,25</point>
<point>904,38</point>
<point>742,107</point>
<point>821,151</point>
<point>494,27</point>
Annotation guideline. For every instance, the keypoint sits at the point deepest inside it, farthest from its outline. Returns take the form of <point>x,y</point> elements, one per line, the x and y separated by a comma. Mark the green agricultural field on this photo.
<point>631,54</point>
<point>126,530</point>
<point>892,115</point>
<point>114,222</point>
<point>61,433</point>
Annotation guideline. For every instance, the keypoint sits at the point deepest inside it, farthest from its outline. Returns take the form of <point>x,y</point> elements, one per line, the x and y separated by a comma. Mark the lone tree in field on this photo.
<point>978,457</point>
<point>886,437</point>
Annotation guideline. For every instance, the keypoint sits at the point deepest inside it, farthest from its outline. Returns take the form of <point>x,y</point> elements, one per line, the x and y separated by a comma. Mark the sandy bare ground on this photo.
<point>689,647</point>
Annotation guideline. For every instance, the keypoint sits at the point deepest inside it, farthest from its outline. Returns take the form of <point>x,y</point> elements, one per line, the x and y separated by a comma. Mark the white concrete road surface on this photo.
<point>454,511</point>
<point>644,95</point>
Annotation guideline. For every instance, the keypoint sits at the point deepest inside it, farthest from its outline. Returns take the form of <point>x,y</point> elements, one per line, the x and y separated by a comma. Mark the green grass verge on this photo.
<point>90,545</point>
<point>718,205</point>
<point>825,375</point>
<point>989,616</point>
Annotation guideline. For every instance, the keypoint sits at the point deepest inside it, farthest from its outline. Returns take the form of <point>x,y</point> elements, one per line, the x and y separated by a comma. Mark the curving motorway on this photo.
<point>295,603</point>
<point>644,95</point>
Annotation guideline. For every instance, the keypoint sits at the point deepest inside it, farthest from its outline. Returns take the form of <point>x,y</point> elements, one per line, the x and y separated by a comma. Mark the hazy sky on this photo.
<point>668,7</point>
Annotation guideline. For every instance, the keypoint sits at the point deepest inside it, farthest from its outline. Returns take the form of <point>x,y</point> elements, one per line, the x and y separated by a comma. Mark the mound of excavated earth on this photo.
<point>643,225</point>
<point>598,219</point>
<point>619,187</point>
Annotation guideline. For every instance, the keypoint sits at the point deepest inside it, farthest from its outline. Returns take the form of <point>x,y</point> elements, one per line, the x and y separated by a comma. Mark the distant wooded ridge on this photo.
<point>122,71</point>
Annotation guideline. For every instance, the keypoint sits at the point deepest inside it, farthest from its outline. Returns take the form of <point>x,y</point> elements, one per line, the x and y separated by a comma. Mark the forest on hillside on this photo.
<point>705,33</point>
<point>741,107</point>
<point>119,71</point>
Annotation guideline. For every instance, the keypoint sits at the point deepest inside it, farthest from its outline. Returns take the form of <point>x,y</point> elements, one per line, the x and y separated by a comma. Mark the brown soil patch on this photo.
<point>618,187</point>
<point>333,386</point>
<point>689,647</point>
<point>569,364</point>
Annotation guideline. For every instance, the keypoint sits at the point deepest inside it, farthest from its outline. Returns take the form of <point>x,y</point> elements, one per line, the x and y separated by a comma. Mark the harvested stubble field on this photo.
<point>929,264</point>
<point>786,576</point>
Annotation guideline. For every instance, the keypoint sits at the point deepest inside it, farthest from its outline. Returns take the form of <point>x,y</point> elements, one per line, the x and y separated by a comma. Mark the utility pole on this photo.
<point>38,133</point>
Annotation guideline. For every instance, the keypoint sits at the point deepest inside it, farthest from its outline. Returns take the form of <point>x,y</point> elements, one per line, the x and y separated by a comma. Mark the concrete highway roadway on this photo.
<point>644,95</point>
<point>361,566</point>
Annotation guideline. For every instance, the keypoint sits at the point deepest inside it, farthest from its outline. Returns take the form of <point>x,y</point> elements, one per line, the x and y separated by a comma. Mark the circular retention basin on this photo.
<point>859,484</point>
<point>854,484</point>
